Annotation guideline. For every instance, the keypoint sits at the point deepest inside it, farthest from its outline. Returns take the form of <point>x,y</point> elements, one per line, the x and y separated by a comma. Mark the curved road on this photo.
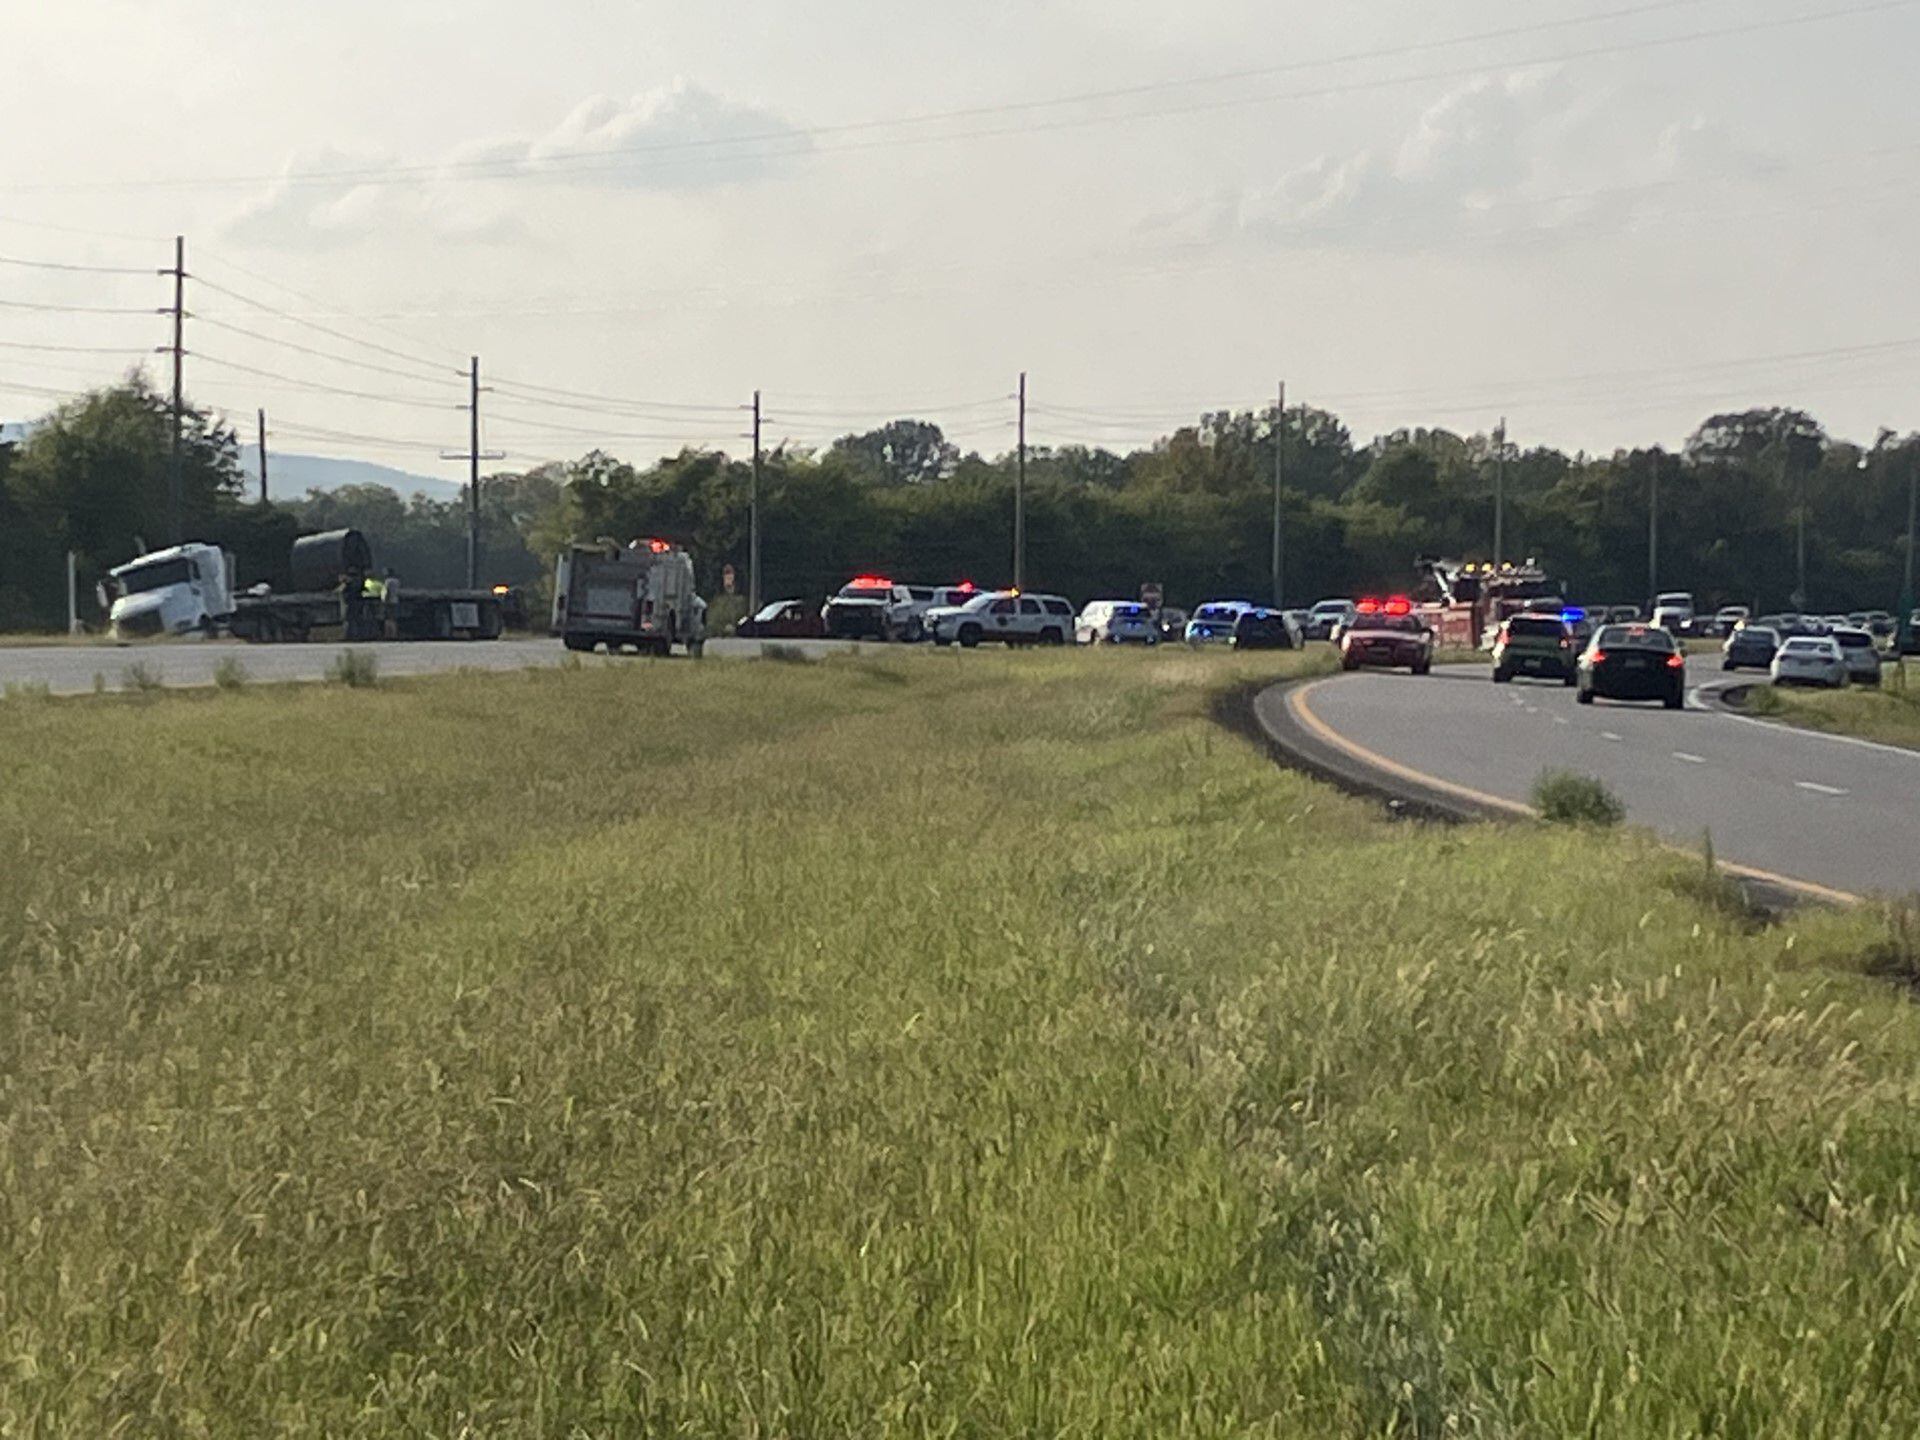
<point>1834,813</point>
<point>70,669</point>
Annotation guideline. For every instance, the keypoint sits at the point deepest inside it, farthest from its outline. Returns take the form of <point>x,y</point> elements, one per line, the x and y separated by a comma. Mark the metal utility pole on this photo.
<point>1020,496</point>
<point>1800,536</point>
<point>753,523</point>
<point>1279,463</point>
<point>1653,532</point>
<point>1500,493</point>
<point>176,523</point>
<point>1907,601</point>
<point>263,456</point>
<point>473,455</point>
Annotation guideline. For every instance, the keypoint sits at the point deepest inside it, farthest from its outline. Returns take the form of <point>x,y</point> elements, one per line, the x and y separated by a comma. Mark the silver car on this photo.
<point>1810,660</point>
<point>1861,652</point>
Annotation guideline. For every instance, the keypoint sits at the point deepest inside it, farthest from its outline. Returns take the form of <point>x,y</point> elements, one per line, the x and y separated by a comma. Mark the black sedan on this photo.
<point>1264,630</point>
<point>1751,647</point>
<point>1633,662</point>
<point>783,620</point>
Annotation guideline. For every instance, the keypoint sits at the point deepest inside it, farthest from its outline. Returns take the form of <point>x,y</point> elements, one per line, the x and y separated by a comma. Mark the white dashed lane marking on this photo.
<point>1609,735</point>
<point>1818,789</point>
<point>1690,759</point>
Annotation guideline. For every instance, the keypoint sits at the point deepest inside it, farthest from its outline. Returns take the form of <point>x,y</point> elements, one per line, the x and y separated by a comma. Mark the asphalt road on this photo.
<point>70,669</point>
<point>1839,813</point>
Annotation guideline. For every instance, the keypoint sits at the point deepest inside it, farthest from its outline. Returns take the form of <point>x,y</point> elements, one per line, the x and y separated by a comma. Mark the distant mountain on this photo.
<point>291,476</point>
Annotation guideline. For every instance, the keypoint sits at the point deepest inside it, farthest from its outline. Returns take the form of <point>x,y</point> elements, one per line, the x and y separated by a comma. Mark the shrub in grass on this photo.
<point>139,676</point>
<point>230,674</point>
<point>1565,798</point>
<point>785,655</point>
<point>355,669</point>
<point>27,690</point>
<point>1896,957</point>
<point>1763,700</point>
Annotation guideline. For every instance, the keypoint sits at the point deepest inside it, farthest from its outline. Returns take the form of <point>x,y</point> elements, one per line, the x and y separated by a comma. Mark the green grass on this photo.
<point>1889,714</point>
<point>939,1045</point>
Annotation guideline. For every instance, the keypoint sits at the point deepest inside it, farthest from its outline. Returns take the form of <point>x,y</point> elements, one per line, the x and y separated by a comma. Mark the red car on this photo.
<point>783,620</point>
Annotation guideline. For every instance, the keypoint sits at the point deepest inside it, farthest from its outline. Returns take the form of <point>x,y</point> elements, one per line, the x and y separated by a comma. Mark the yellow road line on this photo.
<point>1297,705</point>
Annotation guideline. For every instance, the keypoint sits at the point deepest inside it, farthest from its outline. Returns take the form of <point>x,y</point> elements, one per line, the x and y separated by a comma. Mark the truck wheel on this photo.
<point>1052,636</point>
<point>1585,697</point>
<point>580,643</point>
<point>969,636</point>
<point>696,648</point>
<point>916,632</point>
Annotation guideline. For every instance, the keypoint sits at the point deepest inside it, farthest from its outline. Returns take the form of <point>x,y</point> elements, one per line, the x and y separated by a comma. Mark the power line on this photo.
<point>591,161</point>
<point>530,394</point>
<point>73,269</point>
<point>588,160</point>
<point>370,365</point>
<point>378,397</point>
<point>78,309</point>
<point>342,335</point>
<point>66,349</point>
<point>349,437</point>
<point>223,262</point>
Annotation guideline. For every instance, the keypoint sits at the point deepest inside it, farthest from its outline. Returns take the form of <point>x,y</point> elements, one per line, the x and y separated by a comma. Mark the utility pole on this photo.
<point>263,456</point>
<point>1653,531</point>
<point>1907,601</point>
<point>176,523</point>
<point>473,455</point>
<point>1800,533</point>
<point>1020,496</point>
<point>1500,494</point>
<point>1279,449</point>
<point>753,523</point>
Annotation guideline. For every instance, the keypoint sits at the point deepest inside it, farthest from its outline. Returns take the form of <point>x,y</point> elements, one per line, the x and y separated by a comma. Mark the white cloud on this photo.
<point>1525,158</point>
<point>679,138</point>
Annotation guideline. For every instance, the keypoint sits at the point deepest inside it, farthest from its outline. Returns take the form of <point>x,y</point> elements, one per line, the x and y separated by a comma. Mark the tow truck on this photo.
<point>1466,604</point>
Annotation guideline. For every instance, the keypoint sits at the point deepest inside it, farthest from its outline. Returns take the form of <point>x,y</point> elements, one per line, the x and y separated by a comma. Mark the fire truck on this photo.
<point>1466,603</point>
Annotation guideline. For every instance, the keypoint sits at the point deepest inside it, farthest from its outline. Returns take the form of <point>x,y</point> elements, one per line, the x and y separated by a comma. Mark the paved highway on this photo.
<point>70,669</point>
<point>1838,813</point>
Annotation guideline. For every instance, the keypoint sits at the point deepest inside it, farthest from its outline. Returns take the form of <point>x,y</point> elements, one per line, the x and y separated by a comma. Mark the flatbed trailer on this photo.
<point>333,591</point>
<point>413,615</point>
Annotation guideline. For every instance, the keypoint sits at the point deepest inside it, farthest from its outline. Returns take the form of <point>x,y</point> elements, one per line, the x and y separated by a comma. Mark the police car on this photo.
<point>1386,635</point>
<point>1009,616</point>
<point>1213,623</point>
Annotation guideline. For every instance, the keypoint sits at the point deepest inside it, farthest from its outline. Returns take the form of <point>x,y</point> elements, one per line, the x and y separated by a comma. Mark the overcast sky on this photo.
<point>1603,230</point>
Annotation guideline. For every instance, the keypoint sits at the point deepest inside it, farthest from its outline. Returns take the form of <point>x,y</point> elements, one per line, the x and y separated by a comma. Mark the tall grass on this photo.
<point>1889,712</point>
<point>985,1049</point>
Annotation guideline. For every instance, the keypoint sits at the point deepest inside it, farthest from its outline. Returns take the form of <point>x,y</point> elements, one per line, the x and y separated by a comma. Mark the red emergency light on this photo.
<point>1399,605</point>
<point>872,582</point>
<point>1368,607</point>
<point>659,547</point>
<point>966,587</point>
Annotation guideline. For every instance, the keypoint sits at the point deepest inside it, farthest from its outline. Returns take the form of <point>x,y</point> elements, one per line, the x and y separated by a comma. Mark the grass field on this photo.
<point>1890,714</point>
<point>947,1045</point>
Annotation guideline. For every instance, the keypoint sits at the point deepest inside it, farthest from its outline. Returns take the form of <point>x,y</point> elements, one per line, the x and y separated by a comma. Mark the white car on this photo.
<point>1328,616</point>
<point>1115,622</point>
<point>1671,618</point>
<point>907,618</point>
<point>1810,660</point>
<point>1729,618</point>
<point>1862,655</point>
<point>1006,616</point>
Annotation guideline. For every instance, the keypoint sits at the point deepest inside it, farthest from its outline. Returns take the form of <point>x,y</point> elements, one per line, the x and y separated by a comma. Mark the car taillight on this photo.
<point>1675,662</point>
<point>1598,657</point>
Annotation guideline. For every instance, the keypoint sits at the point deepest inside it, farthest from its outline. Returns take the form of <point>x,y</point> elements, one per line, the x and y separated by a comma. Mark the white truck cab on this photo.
<point>183,590</point>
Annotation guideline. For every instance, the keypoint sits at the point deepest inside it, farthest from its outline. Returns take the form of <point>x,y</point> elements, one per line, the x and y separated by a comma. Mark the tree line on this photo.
<point>1192,512</point>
